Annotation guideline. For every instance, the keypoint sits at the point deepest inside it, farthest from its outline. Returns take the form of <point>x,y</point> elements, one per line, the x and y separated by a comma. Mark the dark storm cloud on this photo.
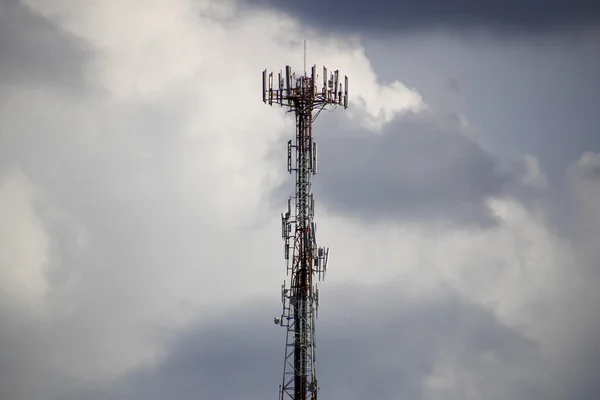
<point>376,345</point>
<point>33,50</point>
<point>421,167</point>
<point>506,16</point>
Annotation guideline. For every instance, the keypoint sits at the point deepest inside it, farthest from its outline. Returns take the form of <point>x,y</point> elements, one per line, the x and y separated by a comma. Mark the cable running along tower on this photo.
<point>306,262</point>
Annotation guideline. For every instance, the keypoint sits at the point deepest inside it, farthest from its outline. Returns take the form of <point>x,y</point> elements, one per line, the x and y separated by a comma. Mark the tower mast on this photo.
<point>306,262</point>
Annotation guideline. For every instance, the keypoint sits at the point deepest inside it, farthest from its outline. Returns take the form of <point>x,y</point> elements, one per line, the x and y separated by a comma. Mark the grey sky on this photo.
<point>160,273</point>
<point>534,96</point>
<point>422,167</point>
<point>505,17</point>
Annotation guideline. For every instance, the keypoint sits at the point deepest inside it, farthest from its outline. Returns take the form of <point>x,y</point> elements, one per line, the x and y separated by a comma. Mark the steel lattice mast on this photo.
<point>307,262</point>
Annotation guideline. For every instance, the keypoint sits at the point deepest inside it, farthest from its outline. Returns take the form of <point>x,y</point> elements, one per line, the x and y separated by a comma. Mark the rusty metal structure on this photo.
<point>306,263</point>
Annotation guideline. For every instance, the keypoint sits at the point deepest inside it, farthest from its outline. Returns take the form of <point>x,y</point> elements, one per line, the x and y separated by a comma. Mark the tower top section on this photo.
<point>304,91</point>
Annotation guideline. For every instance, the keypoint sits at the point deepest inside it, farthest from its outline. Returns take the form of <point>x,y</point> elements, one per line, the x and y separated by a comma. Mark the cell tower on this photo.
<point>307,262</point>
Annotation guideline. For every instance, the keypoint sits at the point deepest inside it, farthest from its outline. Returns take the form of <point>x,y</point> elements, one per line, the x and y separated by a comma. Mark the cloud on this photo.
<point>421,167</point>
<point>24,242</point>
<point>504,17</point>
<point>579,326</point>
<point>142,201</point>
<point>426,349</point>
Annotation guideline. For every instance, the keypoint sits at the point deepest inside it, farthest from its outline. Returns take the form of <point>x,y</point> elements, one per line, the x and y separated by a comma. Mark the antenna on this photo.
<point>336,85</point>
<point>304,57</point>
<point>346,92</point>
<point>305,259</point>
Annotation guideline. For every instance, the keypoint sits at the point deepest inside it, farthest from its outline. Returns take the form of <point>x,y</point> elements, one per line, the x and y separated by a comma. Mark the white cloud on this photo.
<point>23,244</point>
<point>534,175</point>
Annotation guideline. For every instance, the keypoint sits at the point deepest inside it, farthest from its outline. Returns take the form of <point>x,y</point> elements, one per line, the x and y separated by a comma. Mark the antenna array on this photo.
<point>306,262</point>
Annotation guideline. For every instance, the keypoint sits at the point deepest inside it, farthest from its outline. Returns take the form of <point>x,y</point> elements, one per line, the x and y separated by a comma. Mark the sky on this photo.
<point>142,181</point>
